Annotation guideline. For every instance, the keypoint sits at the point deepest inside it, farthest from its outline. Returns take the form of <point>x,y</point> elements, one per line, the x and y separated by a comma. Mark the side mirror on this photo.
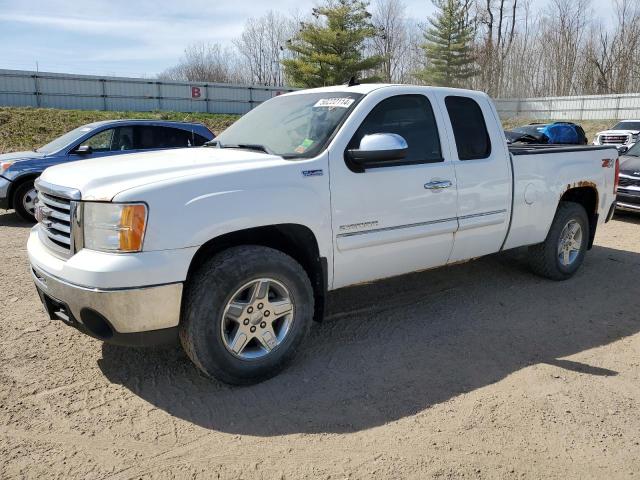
<point>623,149</point>
<point>83,150</point>
<point>377,149</point>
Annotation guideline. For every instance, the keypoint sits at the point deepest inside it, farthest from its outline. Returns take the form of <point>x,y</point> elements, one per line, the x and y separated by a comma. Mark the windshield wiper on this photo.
<point>247,146</point>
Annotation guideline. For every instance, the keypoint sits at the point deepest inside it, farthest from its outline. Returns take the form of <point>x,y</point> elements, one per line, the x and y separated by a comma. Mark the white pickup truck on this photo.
<point>623,135</point>
<point>233,247</point>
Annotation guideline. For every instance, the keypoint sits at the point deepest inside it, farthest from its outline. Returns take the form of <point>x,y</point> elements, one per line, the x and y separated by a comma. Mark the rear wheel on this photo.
<point>246,312</point>
<point>563,251</point>
<point>24,201</point>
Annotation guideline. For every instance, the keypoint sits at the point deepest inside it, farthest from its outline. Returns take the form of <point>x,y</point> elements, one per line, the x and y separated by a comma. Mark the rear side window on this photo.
<point>123,139</point>
<point>147,137</point>
<point>409,116</point>
<point>469,128</point>
<point>199,140</point>
<point>167,137</point>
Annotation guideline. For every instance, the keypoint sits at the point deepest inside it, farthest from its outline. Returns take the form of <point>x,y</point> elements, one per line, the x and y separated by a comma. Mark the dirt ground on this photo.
<point>480,370</point>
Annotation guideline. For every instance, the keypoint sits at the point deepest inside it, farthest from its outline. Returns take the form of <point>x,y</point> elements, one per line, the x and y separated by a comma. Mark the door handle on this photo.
<point>438,184</point>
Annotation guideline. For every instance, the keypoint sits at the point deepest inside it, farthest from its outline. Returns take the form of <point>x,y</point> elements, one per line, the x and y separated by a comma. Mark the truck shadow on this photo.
<point>628,217</point>
<point>391,349</point>
<point>9,218</point>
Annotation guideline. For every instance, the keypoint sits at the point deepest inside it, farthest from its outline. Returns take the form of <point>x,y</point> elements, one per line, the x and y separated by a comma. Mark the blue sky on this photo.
<point>135,37</point>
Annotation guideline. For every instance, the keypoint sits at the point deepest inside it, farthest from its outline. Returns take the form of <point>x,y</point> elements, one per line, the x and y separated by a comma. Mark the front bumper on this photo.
<point>628,207</point>
<point>628,200</point>
<point>114,297</point>
<point>130,316</point>
<point>4,192</point>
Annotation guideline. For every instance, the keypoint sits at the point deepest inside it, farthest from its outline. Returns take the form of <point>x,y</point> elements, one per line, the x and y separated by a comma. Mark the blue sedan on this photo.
<point>18,170</point>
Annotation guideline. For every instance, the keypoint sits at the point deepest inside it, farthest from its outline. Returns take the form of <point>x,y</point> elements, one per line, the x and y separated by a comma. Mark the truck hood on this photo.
<point>618,132</point>
<point>103,178</point>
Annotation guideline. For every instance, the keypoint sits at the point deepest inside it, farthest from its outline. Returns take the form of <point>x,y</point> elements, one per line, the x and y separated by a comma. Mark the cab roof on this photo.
<point>365,88</point>
<point>143,121</point>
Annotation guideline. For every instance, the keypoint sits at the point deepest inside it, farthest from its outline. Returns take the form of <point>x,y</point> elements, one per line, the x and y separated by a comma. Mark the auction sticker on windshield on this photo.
<point>342,102</point>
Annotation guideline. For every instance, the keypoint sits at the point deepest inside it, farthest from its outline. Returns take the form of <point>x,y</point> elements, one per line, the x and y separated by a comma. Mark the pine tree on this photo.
<point>329,51</point>
<point>448,45</point>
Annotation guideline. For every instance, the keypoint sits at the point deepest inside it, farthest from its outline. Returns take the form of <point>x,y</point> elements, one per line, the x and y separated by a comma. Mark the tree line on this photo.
<point>503,47</point>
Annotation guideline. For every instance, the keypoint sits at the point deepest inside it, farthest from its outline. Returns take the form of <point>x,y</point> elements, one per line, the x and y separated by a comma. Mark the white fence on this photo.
<point>87,92</point>
<point>586,107</point>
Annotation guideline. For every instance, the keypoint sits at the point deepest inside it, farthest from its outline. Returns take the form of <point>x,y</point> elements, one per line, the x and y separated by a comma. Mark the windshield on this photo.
<point>627,126</point>
<point>633,151</point>
<point>296,125</point>
<point>65,140</point>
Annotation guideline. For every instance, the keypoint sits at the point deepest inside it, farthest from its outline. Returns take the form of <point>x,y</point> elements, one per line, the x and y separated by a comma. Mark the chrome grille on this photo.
<point>57,211</point>
<point>614,139</point>
<point>625,181</point>
<point>54,217</point>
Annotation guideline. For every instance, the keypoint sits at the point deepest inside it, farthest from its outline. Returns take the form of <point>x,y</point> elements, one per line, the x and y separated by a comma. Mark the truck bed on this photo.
<point>542,174</point>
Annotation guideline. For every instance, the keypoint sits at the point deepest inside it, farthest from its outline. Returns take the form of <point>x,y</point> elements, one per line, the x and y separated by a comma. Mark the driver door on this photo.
<point>395,217</point>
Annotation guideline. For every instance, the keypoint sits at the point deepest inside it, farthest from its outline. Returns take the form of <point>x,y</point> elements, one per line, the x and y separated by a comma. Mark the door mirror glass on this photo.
<point>379,148</point>
<point>84,150</point>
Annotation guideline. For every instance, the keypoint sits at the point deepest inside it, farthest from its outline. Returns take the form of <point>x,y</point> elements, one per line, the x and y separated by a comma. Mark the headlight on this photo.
<point>4,166</point>
<point>113,227</point>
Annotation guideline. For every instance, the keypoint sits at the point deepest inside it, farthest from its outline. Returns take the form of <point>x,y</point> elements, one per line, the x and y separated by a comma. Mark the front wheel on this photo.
<point>564,249</point>
<point>246,312</point>
<point>24,201</point>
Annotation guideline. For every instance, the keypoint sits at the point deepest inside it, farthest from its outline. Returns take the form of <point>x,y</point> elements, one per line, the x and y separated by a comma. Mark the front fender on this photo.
<point>188,212</point>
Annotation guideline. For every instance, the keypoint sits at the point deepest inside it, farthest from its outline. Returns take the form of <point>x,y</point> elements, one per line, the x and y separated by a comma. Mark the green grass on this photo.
<point>29,128</point>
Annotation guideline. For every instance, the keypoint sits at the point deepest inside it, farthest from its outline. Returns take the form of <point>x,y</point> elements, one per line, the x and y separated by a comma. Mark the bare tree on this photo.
<point>614,55</point>
<point>205,62</point>
<point>496,26</point>
<point>261,45</point>
<point>388,16</point>
<point>413,59</point>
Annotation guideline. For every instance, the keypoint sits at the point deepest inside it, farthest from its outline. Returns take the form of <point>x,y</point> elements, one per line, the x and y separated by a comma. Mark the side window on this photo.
<point>100,142</point>
<point>469,128</point>
<point>167,137</point>
<point>409,116</point>
<point>199,140</point>
<point>144,138</point>
<point>123,139</point>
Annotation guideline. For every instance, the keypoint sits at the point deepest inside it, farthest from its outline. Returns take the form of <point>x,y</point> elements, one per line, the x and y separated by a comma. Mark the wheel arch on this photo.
<point>296,240</point>
<point>587,196</point>
<point>16,183</point>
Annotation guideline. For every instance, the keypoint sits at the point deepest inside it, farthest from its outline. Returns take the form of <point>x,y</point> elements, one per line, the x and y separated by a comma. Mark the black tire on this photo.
<point>23,189</point>
<point>212,286</point>
<point>543,257</point>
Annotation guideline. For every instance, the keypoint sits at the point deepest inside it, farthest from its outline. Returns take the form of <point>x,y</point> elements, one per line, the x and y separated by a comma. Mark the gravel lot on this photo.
<point>479,370</point>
